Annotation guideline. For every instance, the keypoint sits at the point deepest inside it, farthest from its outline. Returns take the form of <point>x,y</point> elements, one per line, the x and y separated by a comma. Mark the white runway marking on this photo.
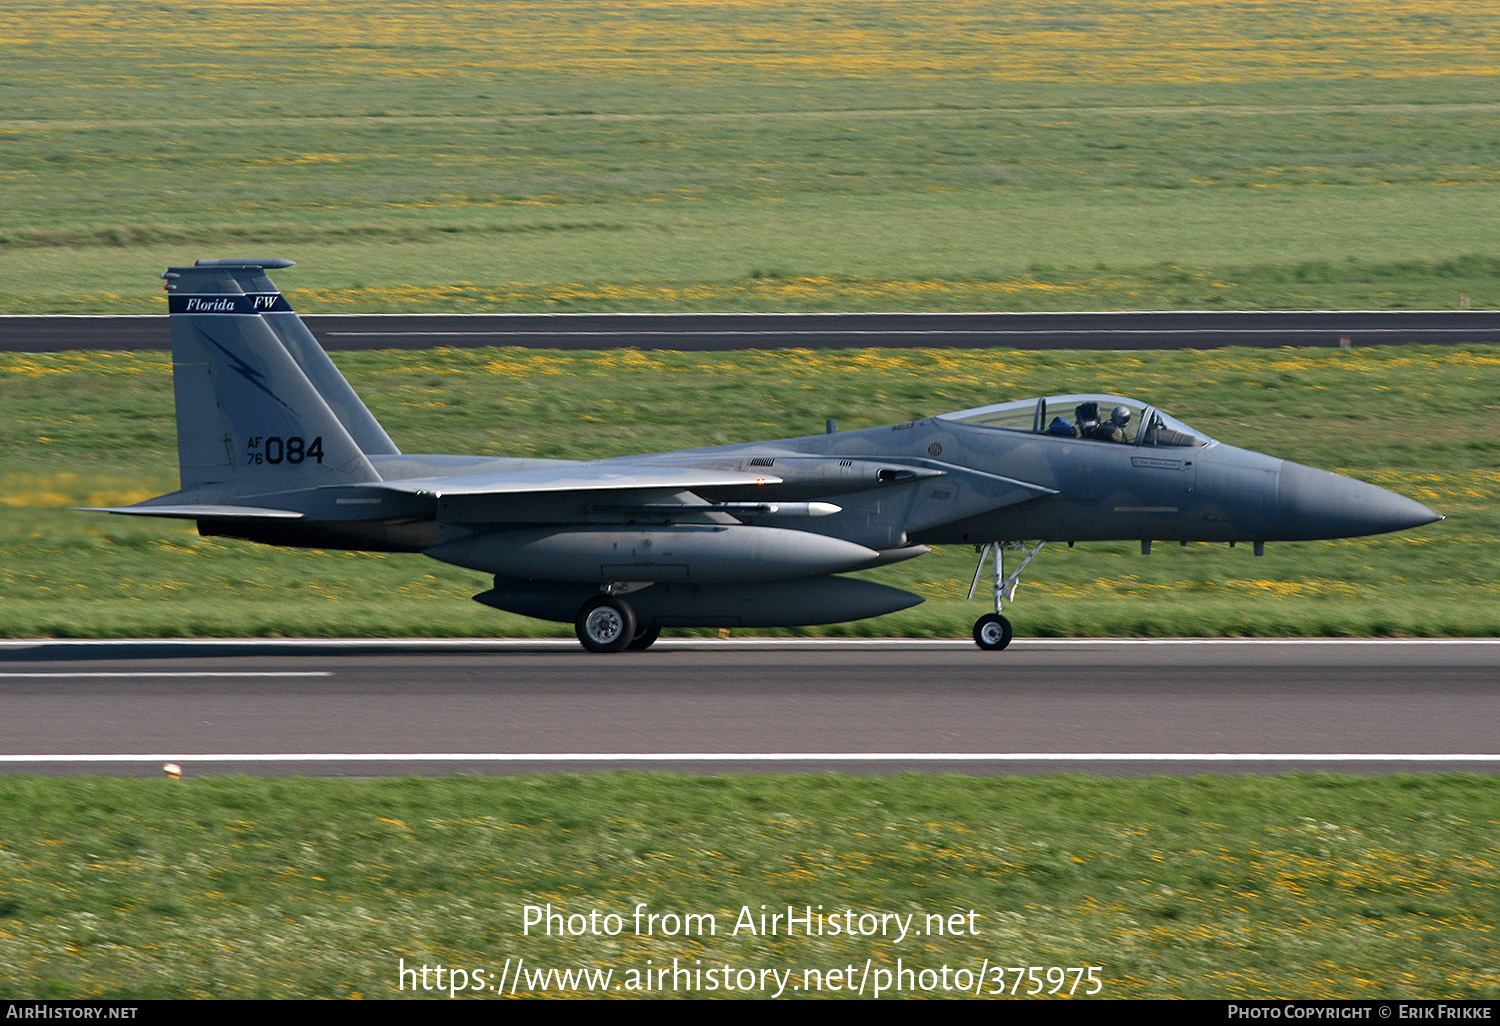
<point>873,332</point>
<point>717,757</point>
<point>185,673</point>
<point>667,644</point>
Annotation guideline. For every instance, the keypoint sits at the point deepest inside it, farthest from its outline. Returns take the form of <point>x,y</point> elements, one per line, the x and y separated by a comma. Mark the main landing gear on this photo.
<point>607,624</point>
<point>644,639</point>
<point>992,631</point>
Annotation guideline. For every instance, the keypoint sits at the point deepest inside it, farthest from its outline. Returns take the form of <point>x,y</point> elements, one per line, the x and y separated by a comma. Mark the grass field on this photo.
<point>691,154</point>
<point>1308,887</point>
<point>703,154</point>
<point>90,429</point>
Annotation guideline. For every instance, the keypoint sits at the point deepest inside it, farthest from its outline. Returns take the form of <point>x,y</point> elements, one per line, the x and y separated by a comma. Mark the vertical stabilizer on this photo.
<point>325,377</point>
<point>260,407</point>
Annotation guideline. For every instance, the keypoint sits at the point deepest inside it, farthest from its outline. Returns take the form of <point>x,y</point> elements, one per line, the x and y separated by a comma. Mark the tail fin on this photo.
<point>260,407</point>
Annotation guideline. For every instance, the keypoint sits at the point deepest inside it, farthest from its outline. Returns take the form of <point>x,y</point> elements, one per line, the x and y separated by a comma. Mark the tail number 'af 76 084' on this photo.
<point>275,449</point>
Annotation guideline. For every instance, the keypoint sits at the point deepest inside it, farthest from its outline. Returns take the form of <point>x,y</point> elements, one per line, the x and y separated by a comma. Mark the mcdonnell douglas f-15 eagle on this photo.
<point>275,447</point>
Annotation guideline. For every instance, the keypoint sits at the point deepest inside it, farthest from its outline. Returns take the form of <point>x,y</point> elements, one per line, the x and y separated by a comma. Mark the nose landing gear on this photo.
<point>992,631</point>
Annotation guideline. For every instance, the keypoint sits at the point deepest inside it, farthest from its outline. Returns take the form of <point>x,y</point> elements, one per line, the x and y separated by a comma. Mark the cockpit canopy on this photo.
<point>1103,418</point>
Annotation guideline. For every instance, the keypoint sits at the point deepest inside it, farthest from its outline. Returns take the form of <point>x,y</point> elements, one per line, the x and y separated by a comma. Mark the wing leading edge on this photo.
<point>583,477</point>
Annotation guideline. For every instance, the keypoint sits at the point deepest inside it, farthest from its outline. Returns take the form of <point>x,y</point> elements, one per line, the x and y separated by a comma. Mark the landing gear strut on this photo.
<point>605,624</point>
<point>992,631</point>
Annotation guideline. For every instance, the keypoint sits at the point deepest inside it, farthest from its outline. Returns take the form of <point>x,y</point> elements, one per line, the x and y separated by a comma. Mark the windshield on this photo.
<point>1100,418</point>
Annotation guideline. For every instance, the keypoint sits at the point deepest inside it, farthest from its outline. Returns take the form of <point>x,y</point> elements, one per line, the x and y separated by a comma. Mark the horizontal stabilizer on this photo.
<point>581,478</point>
<point>199,512</point>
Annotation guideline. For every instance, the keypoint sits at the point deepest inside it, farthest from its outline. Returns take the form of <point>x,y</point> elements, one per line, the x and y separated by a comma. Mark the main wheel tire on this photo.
<point>644,639</point>
<point>992,632</point>
<point>605,624</point>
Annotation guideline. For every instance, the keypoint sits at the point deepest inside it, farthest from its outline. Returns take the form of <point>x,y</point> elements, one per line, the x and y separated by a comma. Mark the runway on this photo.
<point>1112,330</point>
<point>370,708</point>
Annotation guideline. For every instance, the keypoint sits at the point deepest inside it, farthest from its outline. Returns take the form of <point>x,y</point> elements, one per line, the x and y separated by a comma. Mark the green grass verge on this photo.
<point>837,155</point>
<point>91,429</point>
<point>1304,887</point>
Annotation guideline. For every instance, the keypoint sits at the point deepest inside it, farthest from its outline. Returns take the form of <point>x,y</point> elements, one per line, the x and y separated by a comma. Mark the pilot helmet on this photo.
<point>1120,416</point>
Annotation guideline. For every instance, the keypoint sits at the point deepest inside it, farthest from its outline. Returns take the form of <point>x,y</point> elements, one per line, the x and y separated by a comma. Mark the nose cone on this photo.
<point>1317,504</point>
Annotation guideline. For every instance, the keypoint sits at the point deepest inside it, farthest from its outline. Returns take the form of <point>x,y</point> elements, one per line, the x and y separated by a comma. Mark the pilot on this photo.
<point>1119,420</point>
<point>1087,415</point>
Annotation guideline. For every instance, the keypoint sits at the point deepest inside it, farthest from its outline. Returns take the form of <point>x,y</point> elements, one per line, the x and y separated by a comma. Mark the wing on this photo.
<point>563,491</point>
<point>596,477</point>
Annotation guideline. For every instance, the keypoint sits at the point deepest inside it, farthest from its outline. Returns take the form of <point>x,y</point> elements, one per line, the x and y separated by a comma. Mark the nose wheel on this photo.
<point>992,632</point>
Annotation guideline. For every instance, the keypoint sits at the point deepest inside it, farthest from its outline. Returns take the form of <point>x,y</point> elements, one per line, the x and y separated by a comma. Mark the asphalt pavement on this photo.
<point>696,332</point>
<point>372,708</point>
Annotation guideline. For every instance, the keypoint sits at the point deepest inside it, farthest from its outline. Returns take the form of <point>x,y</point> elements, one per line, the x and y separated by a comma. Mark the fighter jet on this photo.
<point>275,447</point>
